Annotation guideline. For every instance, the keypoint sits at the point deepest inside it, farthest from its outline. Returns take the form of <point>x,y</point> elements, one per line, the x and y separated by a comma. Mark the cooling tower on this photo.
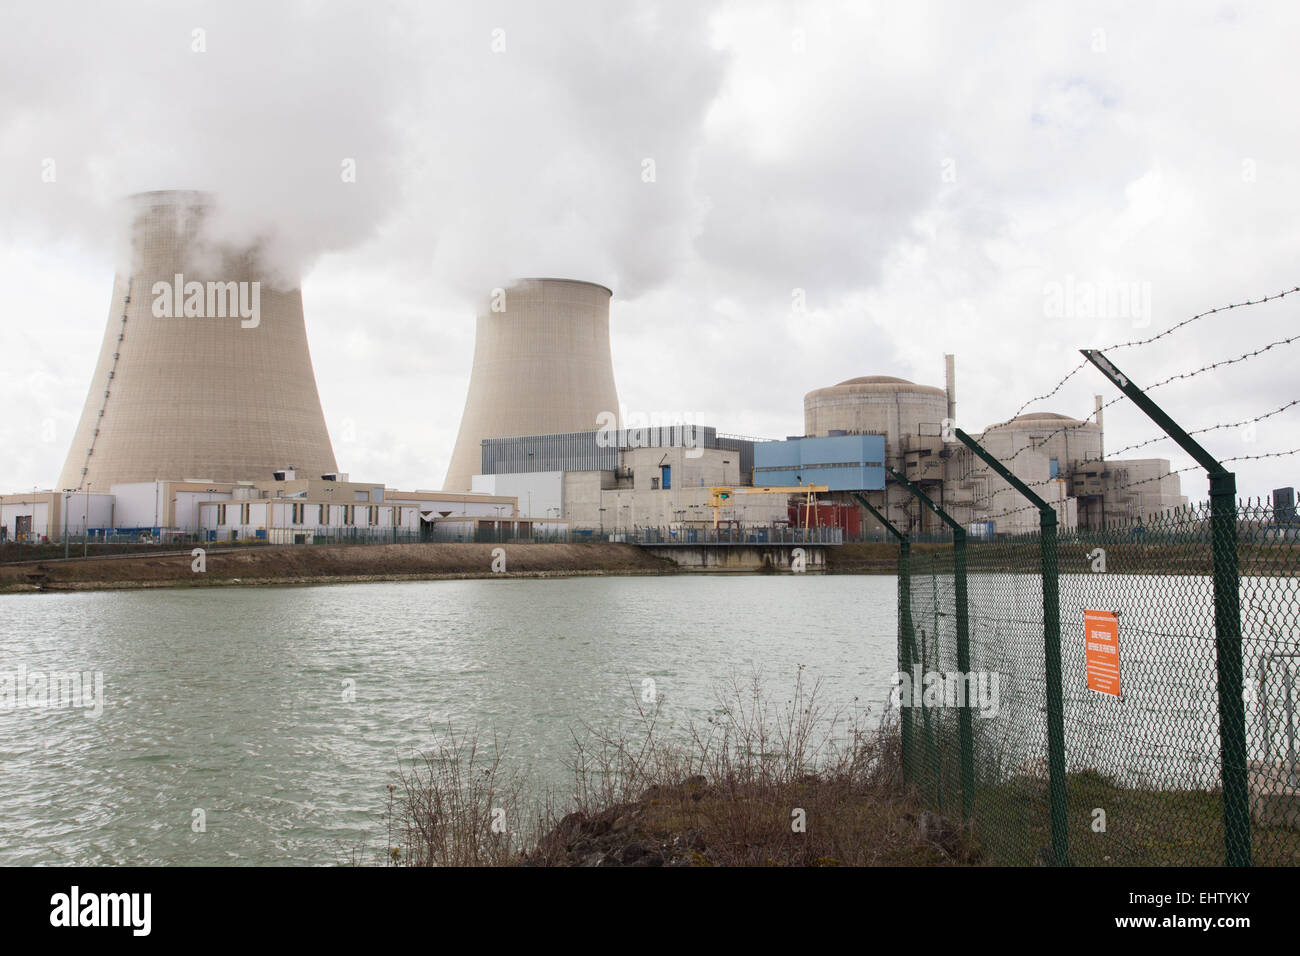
<point>541,366</point>
<point>204,371</point>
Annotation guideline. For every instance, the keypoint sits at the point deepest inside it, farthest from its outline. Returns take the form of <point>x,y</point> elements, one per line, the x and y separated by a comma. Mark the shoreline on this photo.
<point>267,565</point>
<point>293,565</point>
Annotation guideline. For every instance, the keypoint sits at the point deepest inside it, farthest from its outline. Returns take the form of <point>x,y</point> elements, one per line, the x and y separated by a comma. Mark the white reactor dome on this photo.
<point>876,404</point>
<point>1054,435</point>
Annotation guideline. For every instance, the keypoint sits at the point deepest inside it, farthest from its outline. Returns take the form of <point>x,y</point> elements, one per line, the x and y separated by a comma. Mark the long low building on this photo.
<point>38,515</point>
<point>285,508</point>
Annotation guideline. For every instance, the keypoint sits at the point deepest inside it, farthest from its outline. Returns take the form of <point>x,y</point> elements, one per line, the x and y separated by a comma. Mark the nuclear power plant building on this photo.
<point>1061,458</point>
<point>203,418</point>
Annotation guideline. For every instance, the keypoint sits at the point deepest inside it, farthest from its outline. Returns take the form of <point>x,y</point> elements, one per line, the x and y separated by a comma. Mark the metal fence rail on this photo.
<point>163,540</point>
<point>778,535</point>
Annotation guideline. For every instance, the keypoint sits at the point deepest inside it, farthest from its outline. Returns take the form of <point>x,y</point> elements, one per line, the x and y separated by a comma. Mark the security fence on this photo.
<point>162,541</point>
<point>773,534</point>
<point>1141,770</point>
<point>157,541</point>
<point>1124,694</point>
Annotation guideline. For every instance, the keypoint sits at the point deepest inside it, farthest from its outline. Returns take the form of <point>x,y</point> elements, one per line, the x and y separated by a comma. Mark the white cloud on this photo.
<point>922,172</point>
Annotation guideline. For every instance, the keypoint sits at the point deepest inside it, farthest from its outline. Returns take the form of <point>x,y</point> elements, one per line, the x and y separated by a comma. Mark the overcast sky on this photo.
<point>927,178</point>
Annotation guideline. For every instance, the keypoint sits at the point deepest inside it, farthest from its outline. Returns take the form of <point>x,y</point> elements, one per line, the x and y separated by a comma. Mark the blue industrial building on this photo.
<point>840,462</point>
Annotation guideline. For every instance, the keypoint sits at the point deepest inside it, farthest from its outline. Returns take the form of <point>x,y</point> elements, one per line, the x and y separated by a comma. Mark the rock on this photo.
<point>633,852</point>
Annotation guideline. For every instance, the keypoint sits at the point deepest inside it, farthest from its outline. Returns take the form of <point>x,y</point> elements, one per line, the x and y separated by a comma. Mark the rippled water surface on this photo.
<point>234,700</point>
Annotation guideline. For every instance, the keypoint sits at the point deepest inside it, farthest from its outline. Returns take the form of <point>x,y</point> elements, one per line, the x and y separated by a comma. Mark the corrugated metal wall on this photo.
<point>598,451</point>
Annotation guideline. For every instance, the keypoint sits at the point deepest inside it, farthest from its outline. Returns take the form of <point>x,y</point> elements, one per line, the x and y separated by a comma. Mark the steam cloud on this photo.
<point>469,131</point>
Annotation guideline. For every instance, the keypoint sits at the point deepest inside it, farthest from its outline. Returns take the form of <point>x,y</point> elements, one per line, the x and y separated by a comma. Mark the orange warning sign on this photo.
<point>1101,636</point>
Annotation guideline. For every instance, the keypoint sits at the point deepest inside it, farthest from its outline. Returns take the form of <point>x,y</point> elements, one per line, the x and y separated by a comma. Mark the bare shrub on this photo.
<point>460,805</point>
<point>758,783</point>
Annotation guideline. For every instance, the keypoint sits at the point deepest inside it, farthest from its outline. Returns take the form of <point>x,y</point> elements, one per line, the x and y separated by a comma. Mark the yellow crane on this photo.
<point>720,496</point>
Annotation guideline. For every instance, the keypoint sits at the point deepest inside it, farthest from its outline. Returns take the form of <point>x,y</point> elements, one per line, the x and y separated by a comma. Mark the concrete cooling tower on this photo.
<point>541,366</point>
<point>204,371</point>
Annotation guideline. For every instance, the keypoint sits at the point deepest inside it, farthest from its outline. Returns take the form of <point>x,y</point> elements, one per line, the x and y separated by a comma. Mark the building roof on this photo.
<point>876,384</point>
<point>1041,419</point>
<point>876,380</point>
<point>571,281</point>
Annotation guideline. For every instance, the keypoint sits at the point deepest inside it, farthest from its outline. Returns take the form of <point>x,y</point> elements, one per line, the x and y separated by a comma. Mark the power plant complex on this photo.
<point>203,419</point>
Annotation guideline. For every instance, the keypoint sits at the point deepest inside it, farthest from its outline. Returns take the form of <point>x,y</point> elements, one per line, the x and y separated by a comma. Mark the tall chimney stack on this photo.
<point>1101,428</point>
<point>950,385</point>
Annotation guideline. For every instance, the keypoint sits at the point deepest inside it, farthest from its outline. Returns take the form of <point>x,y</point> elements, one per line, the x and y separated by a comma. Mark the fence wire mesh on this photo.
<point>1143,769</point>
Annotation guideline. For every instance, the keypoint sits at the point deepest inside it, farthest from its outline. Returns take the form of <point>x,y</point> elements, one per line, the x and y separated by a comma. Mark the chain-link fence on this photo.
<point>1140,778</point>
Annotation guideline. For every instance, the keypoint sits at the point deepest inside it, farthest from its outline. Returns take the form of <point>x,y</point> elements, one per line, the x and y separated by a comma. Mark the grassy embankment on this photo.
<point>761,784</point>
<point>758,784</point>
<point>331,564</point>
<point>872,557</point>
<point>148,566</point>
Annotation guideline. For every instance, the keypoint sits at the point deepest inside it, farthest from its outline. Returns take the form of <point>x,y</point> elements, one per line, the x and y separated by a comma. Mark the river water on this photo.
<point>279,716</point>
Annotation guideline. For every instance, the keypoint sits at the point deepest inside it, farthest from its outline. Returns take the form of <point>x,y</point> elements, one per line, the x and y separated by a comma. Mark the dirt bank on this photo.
<point>695,824</point>
<point>871,557</point>
<point>334,564</point>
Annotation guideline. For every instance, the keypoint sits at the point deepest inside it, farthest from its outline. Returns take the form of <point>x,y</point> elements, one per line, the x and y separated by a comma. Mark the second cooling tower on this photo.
<point>542,366</point>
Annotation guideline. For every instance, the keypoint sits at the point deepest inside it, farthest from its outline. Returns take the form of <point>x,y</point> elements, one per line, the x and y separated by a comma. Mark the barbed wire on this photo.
<point>1038,398</point>
<point>1142,481</point>
<point>1159,438</point>
<point>1223,308</point>
<point>1040,441</point>
<point>1245,356</point>
<point>1147,341</point>
<point>1232,361</point>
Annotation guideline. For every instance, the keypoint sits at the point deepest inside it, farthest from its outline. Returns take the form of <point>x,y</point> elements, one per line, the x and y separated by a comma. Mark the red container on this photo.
<point>844,517</point>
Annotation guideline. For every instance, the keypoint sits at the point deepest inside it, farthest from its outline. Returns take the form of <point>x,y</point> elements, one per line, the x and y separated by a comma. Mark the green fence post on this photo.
<point>1227,617</point>
<point>965,726</point>
<point>1228,654</point>
<point>1056,787</point>
<point>906,649</point>
<point>905,654</point>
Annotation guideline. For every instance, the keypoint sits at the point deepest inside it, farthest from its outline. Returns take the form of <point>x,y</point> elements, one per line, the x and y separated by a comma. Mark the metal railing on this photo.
<point>777,535</point>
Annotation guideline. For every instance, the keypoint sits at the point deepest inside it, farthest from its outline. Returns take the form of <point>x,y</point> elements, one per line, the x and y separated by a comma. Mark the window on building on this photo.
<point>298,513</point>
<point>372,516</point>
<point>1054,468</point>
<point>243,513</point>
<point>322,514</point>
<point>221,514</point>
<point>347,514</point>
